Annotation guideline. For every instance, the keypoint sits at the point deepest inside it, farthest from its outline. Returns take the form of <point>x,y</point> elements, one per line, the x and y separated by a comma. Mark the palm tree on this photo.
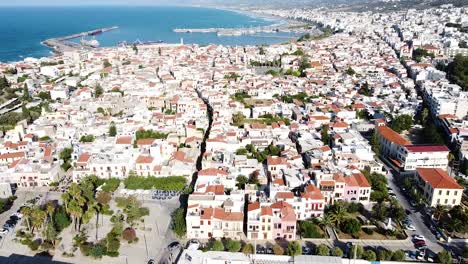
<point>326,220</point>
<point>440,211</point>
<point>50,209</point>
<point>338,215</point>
<point>26,211</point>
<point>75,210</point>
<point>38,218</point>
<point>102,198</point>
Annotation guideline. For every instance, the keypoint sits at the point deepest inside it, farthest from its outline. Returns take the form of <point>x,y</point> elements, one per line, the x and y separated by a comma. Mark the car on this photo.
<point>7,226</point>
<point>306,250</point>
<point>193,244</point>
<point>260,249</point>
<point>413,203</point>
<point>4,231</point>
<point>408,212</point>
<point>151,261</point>
<point>174,245</point>
<point>14,218</point>
<point>18,214</point>
<point>269,250</point>
<point>410,227</point>
<point>419,238</point>
<point>420,244</point>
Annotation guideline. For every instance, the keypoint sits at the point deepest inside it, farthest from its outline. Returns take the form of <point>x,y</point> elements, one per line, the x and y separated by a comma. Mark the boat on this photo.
<point>95,32</point>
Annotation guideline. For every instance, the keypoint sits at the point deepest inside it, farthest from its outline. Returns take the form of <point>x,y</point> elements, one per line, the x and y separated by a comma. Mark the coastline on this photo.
<point>53,51</point>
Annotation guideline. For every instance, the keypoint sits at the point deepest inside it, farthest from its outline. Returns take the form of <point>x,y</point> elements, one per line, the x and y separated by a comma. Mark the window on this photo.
<point>453,201</point>
<point>201,222</point>
<point>455,193</point>
<point>440,192</point>
<point>448,192</point>
<point>438,201</point>
<point>446,201</point>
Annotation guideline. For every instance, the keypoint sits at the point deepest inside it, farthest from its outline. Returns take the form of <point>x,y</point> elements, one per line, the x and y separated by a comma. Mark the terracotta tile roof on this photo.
<point>266,211</point>
<point>216,189</point>
<point>125,140</point>
<point>84,157</point>
<point>144,159</point>
<point>427,148</point>
<point>327,183</point>
<point>12,155</point>
<point>276,161</point>
<point>312,192</point>
<point>438,178</point>
<point>284,195</point>
<point>361,180</point>
<point>253,206</point>
<point>145,141</point>
<point>392,136</point>
<point>212,172</point>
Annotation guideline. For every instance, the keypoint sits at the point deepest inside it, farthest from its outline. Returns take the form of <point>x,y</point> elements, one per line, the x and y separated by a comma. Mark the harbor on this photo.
<point>290,27</point>
<point>62,44</point>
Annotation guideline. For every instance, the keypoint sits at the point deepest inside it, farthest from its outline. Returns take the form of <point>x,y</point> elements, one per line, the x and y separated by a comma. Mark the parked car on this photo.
<point>419,238</point>
<point>260,249</point>
<point>410,227</point>
<point>306,250</point>
<point>4,231</point>
<point>174,245</point>
<point>420,244</point>
<point>193,244</point>
<point>269,250</point>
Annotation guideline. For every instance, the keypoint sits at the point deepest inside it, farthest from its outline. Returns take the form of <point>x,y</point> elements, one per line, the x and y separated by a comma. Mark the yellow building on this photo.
<point>438,187</point>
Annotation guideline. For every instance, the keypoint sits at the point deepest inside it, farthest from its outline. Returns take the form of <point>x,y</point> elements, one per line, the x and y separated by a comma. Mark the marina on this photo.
<point>290,27</point>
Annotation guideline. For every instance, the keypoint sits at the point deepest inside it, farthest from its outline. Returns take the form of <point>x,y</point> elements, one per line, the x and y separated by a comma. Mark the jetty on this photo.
<point>59,45</point>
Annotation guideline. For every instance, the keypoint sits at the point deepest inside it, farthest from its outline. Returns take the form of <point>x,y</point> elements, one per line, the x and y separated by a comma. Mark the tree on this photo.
<point>369,255</point>
<point>102,199</point>
<point>294,248</point>
<point>338,214</point>
<point>216,245</point>
<point>50,233</point>
<point>26,96</point>
<point>440,211</point>
<point>233,245</point>
<point>398,255</point>
<point>325,135</point>
<point>444,257</point>
<point>106,64</point>
<point>61,219</point>
<point>322,250</point>
<point>309,230</point>
<point>178,222</point>
<point>351,226</point>
<point>248,249</point>
<point>384,255</point>
<point>356,249</point>
<point>278,250</point>
<point>337,252</point>
<point>375,143</point>
<point>456,71</point>
<point>129,234</point>
<point>98,91</point>
<point>350,71</point>
<point>112,130</point>
<point>26,211</point>
<point>241,181</point>
<point>401,123</point>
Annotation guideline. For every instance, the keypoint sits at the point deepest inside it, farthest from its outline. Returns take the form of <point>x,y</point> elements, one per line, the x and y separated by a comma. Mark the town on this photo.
<point>348,144</point>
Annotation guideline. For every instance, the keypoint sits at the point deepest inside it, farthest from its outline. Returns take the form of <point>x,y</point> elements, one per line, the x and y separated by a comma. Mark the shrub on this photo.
<point>294,248</point>
<point>248,249</point>
<point>310,230</point>
<point>34,245</point>
<point>111,185</point>
<point>178,222</point>
<point>176,183</point>
<point>129,234</point>
<point>46,245</point>
<point>337,252</point>
<point>233,245</point>
<point>398,255</point>
<point>216,245</point>
<point>322,250</point>
<point>278,250</point>
<point>351,226</point>
<point>384,255</point>
<point>369,255</point>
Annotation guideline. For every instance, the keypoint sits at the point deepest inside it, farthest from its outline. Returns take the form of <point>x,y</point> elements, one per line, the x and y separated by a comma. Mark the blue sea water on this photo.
<point>23,28</point>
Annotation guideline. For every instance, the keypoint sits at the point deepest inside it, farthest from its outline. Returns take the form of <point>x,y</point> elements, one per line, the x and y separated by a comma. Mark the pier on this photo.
<point>63,44</point>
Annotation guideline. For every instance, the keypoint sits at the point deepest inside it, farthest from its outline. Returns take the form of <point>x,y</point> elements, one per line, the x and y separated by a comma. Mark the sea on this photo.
<point>23,28</point>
